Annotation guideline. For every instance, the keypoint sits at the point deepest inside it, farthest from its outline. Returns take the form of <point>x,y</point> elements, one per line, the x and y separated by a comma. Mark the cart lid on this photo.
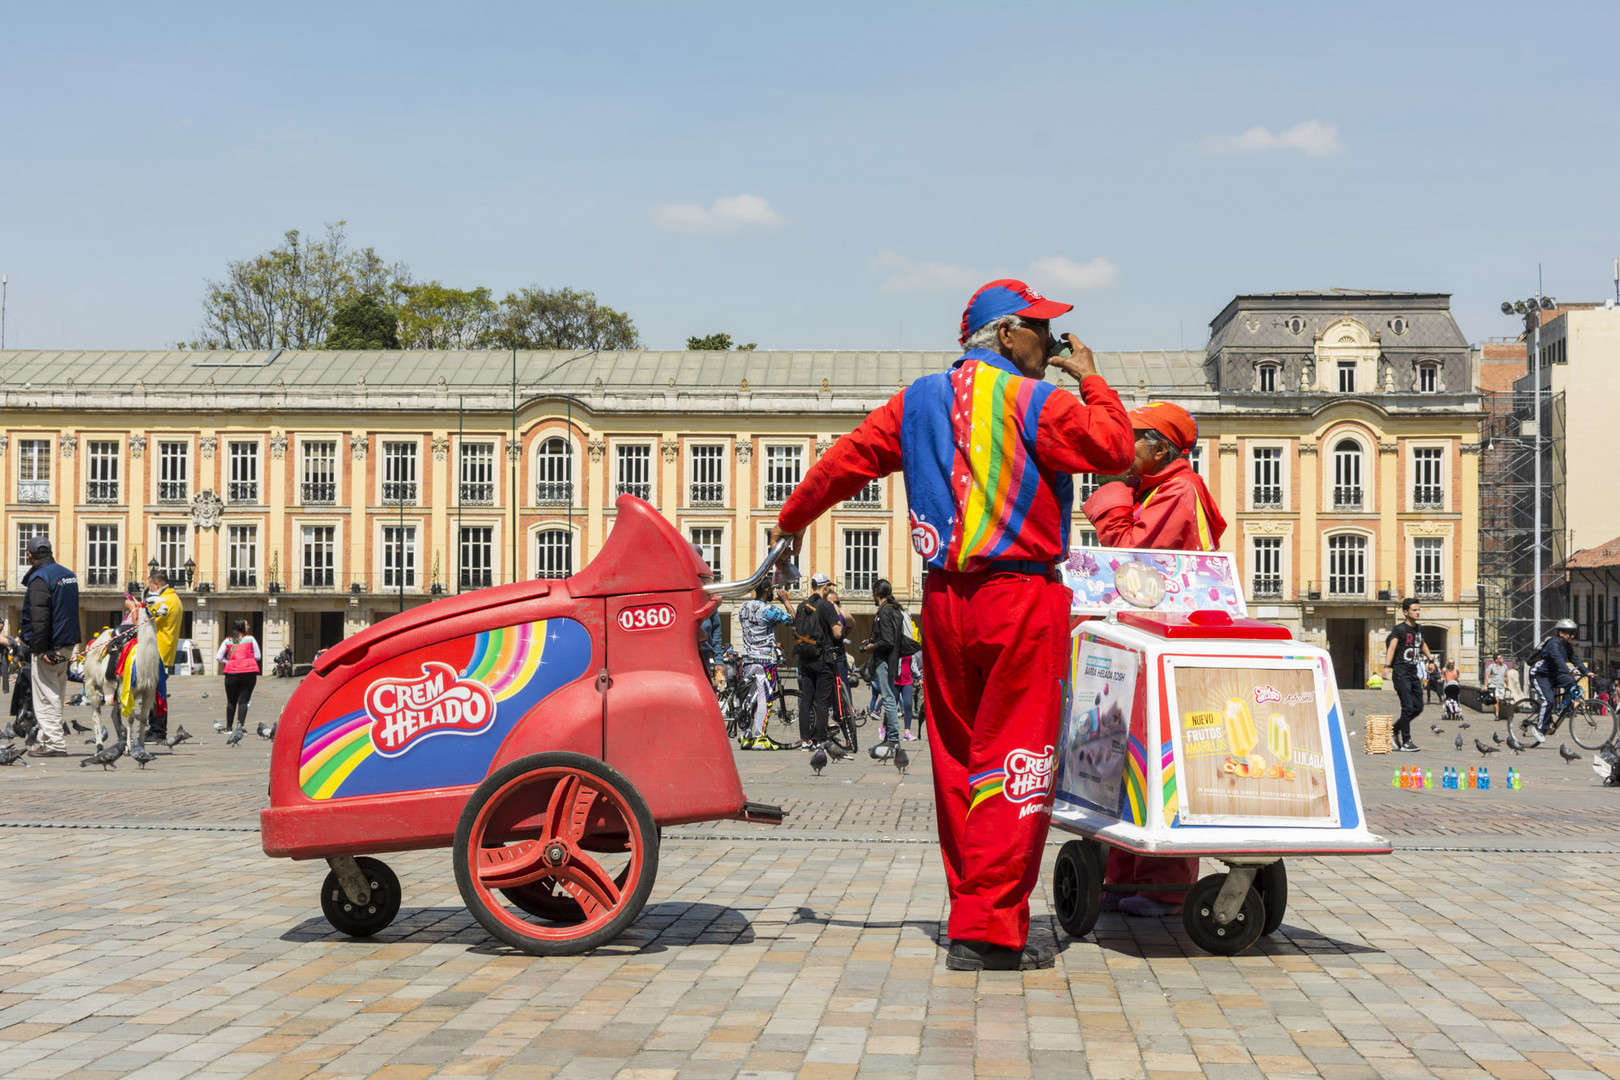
<point>1204,624</point>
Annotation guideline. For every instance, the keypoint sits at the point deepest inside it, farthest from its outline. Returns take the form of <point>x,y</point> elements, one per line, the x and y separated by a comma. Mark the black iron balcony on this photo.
<point>1428,497</point>
<point>101,491</point>
<point>319,577</point>
<point>777,494</point>
<point>859,581</point>
<point>319,492</point>
<point>1355,588</point>
<point>399,579</point>
<point>559,569</point>
<point>34,491</point>
<point>640,491</point>
<point>1429,587</point>
<point>477,494</point>
<point>708,495</point>
<point>1267,496</point>
<point>554,493</point>
<point>477,579</point>
<point>242,579</point>
<point>399,492</point>
<point>101,577</point>
<point>870,495</point>
<point>173,491</point>
<point>1347,497</point>
<point>1268,587</point>
<point>242,491</point>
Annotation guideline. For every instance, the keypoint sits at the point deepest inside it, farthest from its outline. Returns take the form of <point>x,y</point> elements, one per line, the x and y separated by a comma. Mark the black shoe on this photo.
<point>983,956</point>
<point>1409,747</point>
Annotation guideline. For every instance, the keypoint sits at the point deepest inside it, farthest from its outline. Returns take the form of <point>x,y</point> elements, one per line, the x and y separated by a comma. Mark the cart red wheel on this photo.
<point>556,854</point>
<point>348,918</point>
<point>1228,939</point>
<point>1272,884</point>
<point>1077,887</point>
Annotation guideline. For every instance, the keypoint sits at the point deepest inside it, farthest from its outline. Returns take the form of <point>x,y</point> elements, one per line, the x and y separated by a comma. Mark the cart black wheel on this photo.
<point>1272,885</point>
<point>550,826</point>
<point>1076,888</point>
<point>1198,916</point>
<point>348,918</point>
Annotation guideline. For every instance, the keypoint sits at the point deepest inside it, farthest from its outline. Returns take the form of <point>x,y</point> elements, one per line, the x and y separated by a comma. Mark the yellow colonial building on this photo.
<point>313,493</point>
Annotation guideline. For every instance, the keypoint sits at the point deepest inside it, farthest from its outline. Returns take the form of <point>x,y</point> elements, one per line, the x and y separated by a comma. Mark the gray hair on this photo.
<point>1157,442</point>
<point>985,337</point>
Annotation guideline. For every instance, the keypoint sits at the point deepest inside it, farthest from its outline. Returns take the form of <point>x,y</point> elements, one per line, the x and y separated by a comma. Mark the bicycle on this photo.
<point>1592,725</point>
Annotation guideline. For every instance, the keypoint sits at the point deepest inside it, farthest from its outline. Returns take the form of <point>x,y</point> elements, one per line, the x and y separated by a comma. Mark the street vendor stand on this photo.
<point>1194,730</point>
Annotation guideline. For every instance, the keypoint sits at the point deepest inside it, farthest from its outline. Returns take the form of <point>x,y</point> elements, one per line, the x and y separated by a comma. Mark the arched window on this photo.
<point>1347,475</point>
<point>1268,376</point>
<point>1428,378</point>
<point>1347,565</point>
<point>553,553</point>
<point>554,472</point>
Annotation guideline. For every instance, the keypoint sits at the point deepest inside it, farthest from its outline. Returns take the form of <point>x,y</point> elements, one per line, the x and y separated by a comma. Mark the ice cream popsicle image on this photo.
<point>1278,739</point>
<point>1240,733</point>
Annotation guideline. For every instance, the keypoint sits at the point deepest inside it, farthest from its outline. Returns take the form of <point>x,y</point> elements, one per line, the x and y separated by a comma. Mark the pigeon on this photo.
<point>205,697</point>
<point>834,751</point>
<point>1465,724</point>
<point>1485,749</point>
<point>1514,744</point>
<point>234,737</point>
<point>218,726</point>
<point>902,760</point>
<point>1459,742</point>
<point>10,754</point>
<point>1566,753</point>
<point>1437,729</point>
<point>142,755</point>
<point>179,736</point>
<point>78,727</point>
<point>1496,737</point>
<point>818,760</point>
<point>8,732</point>
<point>105,757</point>
<point>266,733</point>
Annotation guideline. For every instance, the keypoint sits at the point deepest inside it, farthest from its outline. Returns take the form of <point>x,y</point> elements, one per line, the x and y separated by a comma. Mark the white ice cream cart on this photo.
<point>1194,730</point>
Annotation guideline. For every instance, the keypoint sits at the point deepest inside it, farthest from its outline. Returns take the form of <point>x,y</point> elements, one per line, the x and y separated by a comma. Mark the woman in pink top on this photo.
<point>241,657</point>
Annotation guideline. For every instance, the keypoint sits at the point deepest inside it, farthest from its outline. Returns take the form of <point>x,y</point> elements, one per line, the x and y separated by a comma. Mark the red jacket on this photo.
<point>1170,510</point>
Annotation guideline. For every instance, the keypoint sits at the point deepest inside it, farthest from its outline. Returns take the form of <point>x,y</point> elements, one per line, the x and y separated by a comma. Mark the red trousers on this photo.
<point>1131,869</point>
<point>997,656</point>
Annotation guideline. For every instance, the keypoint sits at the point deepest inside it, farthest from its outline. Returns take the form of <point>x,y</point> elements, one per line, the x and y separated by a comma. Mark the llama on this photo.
<point>100,691</point>
<point>143,686</point>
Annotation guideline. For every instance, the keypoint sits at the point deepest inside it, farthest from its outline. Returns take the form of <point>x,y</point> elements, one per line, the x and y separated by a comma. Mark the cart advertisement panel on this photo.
<point>1116,579</point>
<point>1251,742</point>
<point>1094,742</point>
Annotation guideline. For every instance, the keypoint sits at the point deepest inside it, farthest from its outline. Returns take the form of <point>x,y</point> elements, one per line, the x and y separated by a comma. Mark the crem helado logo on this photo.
<point>1029,775</point>
<point>437,702</point>
<point>924,537</point>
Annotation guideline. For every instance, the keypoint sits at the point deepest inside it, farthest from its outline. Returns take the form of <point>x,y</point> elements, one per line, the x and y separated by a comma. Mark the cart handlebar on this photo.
<point>733,589</point>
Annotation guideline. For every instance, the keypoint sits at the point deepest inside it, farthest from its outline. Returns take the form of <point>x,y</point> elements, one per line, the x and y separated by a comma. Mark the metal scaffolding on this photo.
<point>1507,535</point>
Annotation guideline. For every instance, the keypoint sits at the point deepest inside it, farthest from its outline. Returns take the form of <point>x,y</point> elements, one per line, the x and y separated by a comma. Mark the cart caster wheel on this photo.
<point>347,918</point>
<point>1077,887</point>
<point>1198,916</point>
<point>556,853</point>
<point>1272,884</point>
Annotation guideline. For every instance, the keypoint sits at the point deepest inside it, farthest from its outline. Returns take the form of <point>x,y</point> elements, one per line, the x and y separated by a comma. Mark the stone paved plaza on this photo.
<point>143,933</point>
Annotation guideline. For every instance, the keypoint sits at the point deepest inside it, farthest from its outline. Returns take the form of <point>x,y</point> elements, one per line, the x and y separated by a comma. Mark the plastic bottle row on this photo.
<point>1453,778</point>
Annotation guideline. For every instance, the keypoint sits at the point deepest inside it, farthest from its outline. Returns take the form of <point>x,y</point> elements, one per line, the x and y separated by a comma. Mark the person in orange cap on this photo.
<point>1163,504</point>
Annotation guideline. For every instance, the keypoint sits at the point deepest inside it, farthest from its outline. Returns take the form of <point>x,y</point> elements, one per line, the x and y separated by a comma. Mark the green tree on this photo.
<point>363,323</point>
<point>718,342</point>
<point>286,297</point>
<point>536,318</point>
<point>436,317</point>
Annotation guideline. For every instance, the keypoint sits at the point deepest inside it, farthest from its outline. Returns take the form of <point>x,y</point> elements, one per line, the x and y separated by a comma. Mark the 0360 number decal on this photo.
<point>650,617</point>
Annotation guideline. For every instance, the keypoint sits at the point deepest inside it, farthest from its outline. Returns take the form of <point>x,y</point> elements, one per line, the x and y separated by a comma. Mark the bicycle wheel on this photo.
<point>1591,725</point>
<point>840,725</point>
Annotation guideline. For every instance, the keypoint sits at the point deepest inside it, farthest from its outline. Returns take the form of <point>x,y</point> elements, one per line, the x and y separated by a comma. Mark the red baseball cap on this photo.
<point>1171,421</point>
<point>1007,297</point>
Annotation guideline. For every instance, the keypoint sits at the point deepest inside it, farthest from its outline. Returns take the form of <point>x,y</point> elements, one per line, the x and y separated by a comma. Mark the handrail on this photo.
<point>733,589</point>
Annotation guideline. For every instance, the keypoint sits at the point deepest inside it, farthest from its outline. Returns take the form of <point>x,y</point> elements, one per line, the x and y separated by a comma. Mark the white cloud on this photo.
<point>1053,272</point>
<point>726,214</point>
<point>1313,137</point>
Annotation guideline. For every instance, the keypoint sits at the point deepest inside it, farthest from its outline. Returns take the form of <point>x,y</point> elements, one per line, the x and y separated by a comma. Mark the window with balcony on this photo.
<point>861,560</point>
<point>1347,475</point>
<point>174,472</point>
<point>784,468</point>
<point>708,541</point>
<point>1428,487</point>
<point>173,549</point>
<point>101,556</point>
<point>553,553</point>
<point>243,483</point>
<point>399,557</point>
<point>1085,486</point>
<point>1267,565</point>
<point>319,485</point>
<point>1347,565</point>
<point>399,473</point>
<point>869,496</point>
<point>1428,573</point>
<point>242,544</point>
<point>478,474</point>
<point>319,548</point>
<point>477,556</point>
<point>1347,376</point>
<point>26,531</point>
<point>554,473</point>
<point>101,472</point>
<point>1267,492</point>
<point>1195,458</point>
<point>34,470</point>
<point>708,476</point>
<point>634,461</point>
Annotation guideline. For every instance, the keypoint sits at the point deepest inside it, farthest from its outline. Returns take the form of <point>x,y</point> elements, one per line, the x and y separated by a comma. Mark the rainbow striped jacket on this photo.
<point>987,456</point>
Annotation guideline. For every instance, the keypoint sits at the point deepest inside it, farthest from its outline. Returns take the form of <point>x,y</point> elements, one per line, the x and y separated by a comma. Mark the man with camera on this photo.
<point>50,629</point>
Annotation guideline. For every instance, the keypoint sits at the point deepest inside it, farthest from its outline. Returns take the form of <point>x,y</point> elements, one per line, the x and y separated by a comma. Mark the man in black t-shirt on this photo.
<point>1404,647</point>
<point>817,630</point>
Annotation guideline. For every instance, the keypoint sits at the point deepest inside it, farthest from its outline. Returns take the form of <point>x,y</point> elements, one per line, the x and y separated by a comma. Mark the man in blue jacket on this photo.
<point>50,629</point>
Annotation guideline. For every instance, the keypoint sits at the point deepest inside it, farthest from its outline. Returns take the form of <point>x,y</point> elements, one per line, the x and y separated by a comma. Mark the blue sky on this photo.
<point>812,175</point>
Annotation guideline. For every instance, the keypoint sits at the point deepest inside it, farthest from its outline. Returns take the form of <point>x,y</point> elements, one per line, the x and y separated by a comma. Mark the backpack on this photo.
<point>909,642</point>
<point>807,633</point>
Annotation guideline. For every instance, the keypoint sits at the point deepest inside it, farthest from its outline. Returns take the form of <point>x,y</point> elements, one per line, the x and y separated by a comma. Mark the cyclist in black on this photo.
<point>1405,646</point>
<point>1550,673</point>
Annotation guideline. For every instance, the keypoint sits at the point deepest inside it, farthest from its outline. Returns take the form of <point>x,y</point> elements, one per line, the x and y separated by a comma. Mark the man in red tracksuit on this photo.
<point>1165,505</point>
<point>988,450</point>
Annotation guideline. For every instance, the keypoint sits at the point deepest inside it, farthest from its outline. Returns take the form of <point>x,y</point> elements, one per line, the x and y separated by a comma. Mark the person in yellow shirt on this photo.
<point>164,604</point>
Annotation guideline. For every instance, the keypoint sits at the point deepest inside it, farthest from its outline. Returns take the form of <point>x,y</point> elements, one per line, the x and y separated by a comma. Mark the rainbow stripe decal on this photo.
<point>1134,797</point>
<point>520,665</point>
<point>982,786</point>
<point>998,485</point>
<point>1167,773</point>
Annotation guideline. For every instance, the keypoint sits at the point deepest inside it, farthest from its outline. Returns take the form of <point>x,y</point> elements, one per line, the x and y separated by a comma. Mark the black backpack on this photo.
<point>808,632</point>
